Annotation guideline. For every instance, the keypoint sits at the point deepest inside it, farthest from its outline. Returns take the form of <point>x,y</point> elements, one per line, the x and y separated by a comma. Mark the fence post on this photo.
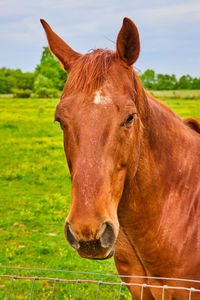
<point>120,289</point>
<point>190,293</point>
<point>35,278</point>
<point>14,277</point>
<point>54,287</point>
<point>100,282</point>
<point>163,291</point>
<point>77,281</point>
<point>143,286</point>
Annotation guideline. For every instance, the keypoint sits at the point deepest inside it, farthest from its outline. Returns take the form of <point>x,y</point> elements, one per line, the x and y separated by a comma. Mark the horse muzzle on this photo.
<point>101,247</point>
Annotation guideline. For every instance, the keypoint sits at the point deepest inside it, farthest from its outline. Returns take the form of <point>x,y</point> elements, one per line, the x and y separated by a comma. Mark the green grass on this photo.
<point>35,200</point>
<point>177,94</point>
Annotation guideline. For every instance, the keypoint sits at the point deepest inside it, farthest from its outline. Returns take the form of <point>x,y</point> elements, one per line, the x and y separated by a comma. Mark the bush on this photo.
<point>46,93</point>
<point>22,93</point>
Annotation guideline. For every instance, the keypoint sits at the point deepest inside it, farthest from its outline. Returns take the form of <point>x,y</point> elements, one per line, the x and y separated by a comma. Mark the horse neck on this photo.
<point>166,144</point>
<point>167,157</point>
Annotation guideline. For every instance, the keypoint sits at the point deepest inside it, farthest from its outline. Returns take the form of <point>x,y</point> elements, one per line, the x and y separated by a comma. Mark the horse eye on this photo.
<point>129,119</point>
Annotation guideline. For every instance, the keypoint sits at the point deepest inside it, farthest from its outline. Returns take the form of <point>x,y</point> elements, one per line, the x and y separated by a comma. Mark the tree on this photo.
<point>7,83</point>
<point>42,81</point>
<point>185,82</point>
<point>24,80</point>
<point>148,79</point>
<point>166,82</point>
<point>50,69</point>
<point>15,79</point>
<point>196,83</point>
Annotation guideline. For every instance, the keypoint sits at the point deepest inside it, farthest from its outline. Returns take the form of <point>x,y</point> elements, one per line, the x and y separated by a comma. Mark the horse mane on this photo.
<point>90,71</point>
<point>193,124</point>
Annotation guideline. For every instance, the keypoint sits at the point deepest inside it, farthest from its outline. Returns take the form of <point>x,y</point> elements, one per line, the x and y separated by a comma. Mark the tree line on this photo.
<point>48,80</point>
<point>153,81</point>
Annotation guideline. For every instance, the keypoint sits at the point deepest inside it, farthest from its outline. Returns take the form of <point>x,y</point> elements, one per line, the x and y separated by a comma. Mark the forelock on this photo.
<point>90,71</point>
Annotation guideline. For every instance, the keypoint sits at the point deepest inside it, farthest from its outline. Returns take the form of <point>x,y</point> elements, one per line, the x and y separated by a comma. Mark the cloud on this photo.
<point>168,29</point>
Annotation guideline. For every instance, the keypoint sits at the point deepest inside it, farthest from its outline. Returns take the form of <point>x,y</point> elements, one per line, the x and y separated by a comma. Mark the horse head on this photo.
<point>101,125</point>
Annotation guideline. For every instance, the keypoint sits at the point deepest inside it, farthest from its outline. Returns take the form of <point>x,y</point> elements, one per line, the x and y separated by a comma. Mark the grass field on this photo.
<point>35,200</point>
<point>177,94</point>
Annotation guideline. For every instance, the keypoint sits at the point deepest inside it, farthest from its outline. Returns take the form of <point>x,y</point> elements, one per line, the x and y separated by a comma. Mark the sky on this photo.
<point>169,30</point>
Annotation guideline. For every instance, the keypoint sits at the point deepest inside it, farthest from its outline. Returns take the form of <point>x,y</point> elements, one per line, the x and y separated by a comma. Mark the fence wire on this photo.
<point>99,274</point>
<point>79,281</point>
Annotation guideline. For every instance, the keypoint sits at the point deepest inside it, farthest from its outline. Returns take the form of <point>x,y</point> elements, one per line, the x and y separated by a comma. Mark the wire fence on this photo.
<point>98,283</point>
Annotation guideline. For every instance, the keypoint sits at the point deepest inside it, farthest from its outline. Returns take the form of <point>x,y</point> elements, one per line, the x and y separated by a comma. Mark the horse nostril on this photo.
<point>70,237</point>
<point>107,237</point>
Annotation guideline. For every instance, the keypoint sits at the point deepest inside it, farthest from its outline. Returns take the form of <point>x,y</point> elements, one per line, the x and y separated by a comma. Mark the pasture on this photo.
<point>35,200</point>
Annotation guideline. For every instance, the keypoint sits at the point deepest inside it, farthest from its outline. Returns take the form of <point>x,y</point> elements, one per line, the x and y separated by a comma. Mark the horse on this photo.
<point>135,168</point>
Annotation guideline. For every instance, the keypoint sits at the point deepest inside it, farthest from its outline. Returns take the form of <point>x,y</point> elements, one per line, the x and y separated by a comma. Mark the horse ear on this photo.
<point>59,48</point>
<point>128,42</point>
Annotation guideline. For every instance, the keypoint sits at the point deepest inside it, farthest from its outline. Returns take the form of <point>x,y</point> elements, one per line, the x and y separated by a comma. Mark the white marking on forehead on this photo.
<point>99,99</point>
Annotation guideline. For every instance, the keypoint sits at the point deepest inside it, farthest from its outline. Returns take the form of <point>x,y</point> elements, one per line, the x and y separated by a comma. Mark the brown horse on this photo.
<point>134,164</point>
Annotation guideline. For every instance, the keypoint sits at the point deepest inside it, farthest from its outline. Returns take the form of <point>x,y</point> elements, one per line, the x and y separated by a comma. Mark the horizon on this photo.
<point>137,70</point>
